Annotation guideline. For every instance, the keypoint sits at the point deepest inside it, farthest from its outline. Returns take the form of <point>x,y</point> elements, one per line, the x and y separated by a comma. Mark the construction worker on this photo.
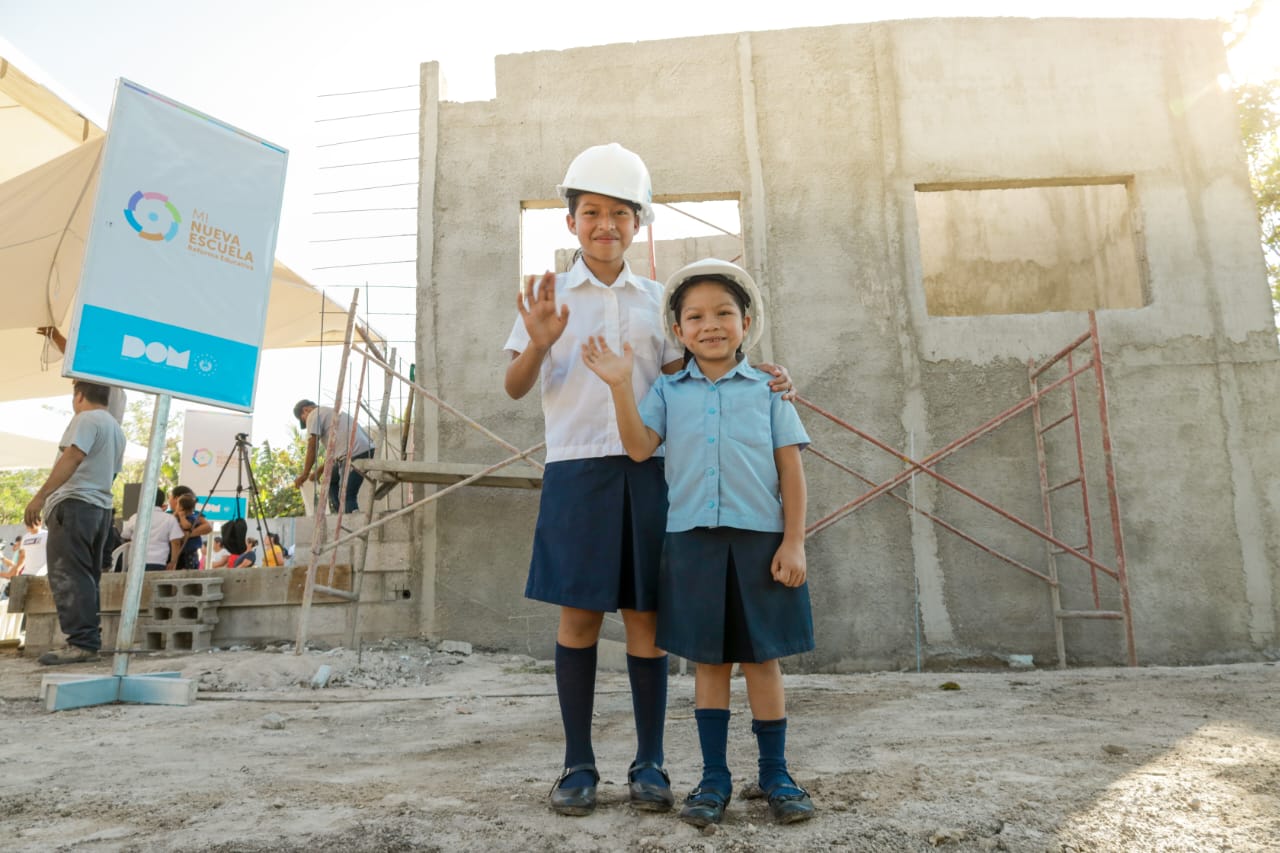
<point>317,422</point>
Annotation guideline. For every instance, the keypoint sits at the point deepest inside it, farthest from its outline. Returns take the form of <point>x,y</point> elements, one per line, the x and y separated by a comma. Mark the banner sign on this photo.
<point>177,271</point>
<point>209,458</point>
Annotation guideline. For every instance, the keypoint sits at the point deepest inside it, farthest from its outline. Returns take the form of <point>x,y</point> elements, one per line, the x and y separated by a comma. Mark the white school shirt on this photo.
<point>35,561</point>
<point>164,529</point>
<point>577,407</point>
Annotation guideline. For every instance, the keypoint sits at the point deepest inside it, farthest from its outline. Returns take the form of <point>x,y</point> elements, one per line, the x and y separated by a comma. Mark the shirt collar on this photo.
<point>742,368</point>
<point>580,274</point>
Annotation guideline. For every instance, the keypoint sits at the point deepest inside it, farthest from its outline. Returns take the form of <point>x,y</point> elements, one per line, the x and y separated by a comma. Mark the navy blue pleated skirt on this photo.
<point>598,541</point>
<point>718,601</point>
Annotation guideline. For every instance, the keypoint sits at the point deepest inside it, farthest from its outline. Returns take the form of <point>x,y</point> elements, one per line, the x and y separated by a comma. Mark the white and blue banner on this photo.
<point>177,272</point>
<point>211,466</point>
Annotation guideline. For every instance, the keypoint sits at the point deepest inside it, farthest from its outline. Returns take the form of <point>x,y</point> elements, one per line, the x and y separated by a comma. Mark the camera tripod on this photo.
<point>256,512</point>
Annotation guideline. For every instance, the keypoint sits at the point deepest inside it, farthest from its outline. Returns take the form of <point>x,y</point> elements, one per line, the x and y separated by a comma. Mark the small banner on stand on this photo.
<point>177,272</point>
<point>210,457</point>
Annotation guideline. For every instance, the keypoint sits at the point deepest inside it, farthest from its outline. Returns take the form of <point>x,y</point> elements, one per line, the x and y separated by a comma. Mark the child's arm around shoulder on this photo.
<point>789,567</point>
<point>545,325</point>
<point>639,441</point>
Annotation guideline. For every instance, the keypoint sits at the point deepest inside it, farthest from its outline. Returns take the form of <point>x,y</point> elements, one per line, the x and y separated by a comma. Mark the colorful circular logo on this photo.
<point>202,457</point>
<point>151,213</point>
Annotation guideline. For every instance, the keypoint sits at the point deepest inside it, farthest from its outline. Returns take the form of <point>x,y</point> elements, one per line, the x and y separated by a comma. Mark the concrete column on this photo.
<point>755,227</point>
<point>422,546</point>
<point>1246,497</point>
<point>908,319</point>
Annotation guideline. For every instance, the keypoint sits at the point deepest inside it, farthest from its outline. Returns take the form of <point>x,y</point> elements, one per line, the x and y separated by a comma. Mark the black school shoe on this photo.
<point>650,796</point>
<point>789,803</point>
<point>704,806</point>
<point>575,802</point>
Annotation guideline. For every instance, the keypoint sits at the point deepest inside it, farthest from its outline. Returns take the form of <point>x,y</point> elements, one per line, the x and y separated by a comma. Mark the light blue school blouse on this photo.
<point>720,437</point>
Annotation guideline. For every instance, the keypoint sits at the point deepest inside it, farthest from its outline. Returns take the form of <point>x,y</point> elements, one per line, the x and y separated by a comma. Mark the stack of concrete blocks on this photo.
<point>183,614</point>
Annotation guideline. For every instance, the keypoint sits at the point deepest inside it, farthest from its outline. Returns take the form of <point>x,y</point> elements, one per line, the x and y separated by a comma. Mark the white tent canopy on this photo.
<point>49,160</point>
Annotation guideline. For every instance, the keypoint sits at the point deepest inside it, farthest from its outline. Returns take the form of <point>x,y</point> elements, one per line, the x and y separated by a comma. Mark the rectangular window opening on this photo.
<point>1029,247</point>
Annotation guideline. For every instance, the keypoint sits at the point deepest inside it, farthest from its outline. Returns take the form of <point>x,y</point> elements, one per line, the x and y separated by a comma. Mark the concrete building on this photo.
<point>927,205</point>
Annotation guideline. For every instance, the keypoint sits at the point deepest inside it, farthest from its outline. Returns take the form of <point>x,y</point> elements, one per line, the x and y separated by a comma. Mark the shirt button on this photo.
<point>711,472</point>
<point>711,411</point>
<point>711,440</point>
<point>711,504</point>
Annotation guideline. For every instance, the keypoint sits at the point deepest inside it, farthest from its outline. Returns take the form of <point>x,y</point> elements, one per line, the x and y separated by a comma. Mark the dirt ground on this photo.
<point>413,748</point>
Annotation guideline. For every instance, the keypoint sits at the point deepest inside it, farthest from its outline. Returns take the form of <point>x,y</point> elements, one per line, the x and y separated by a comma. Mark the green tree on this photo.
<point>137,428</point>
<point>1259,105</point>
<point>274,470</point>
<point>16,489</point>
<point>1259,110</point>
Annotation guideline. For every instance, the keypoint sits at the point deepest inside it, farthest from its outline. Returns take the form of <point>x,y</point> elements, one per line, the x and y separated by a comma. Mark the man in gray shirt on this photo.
<point>75,502</point>
<point>318,422</point>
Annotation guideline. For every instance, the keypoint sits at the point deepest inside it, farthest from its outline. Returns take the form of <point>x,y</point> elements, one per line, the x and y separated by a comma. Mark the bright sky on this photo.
<point>274,68</point>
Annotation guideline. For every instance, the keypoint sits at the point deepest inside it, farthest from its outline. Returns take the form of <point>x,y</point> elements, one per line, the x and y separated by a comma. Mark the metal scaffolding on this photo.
<point>1085,553</point>
<point>521,470</point>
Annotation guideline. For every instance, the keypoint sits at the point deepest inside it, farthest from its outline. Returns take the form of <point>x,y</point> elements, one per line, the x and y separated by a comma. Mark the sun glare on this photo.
<point>1256,57</point>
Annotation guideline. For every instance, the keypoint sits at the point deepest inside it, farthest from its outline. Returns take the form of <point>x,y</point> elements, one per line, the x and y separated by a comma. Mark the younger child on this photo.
<point>732,586</point>
<point>183,503</point>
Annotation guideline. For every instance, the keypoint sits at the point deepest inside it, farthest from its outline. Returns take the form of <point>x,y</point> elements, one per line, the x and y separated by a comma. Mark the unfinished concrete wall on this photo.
<point>827,136</point>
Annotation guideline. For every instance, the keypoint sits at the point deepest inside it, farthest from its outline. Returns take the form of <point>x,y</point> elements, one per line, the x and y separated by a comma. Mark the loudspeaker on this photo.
<point>131,491</point>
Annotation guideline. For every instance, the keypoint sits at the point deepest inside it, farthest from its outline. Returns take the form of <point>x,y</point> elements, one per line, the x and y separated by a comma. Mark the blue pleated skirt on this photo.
<point>718,601</point>
<point>598,541</point>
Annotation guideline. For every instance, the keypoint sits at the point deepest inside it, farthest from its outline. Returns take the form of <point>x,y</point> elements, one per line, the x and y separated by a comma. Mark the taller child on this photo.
<point>598,539</point>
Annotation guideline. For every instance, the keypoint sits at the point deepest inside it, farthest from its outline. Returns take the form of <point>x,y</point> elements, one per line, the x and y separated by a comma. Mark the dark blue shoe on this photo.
<point>704,806</point>
<point>789,803</point>
<point>578,801</point>
<point>650,796</point>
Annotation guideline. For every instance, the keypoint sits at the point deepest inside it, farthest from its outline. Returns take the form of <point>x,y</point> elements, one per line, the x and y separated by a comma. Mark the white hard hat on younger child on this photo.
<point>709,267</point>
<point>613,171</point>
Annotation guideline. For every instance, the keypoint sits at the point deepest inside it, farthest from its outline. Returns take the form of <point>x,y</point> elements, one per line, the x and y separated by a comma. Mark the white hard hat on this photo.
<point>613,171</point>
<point>709,267</point>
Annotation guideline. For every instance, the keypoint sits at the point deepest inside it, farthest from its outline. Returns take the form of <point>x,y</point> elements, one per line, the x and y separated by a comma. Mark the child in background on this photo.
<point>183,503</point>
<point>732,587</point>
<point>598,540</point>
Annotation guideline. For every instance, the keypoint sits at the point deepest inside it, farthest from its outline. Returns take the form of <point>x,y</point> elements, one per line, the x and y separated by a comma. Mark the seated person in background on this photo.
<point>219,556</point>
<point>272,553</point>
<point>249,557</point>
<point>164,541</point>
<point>193,523</point>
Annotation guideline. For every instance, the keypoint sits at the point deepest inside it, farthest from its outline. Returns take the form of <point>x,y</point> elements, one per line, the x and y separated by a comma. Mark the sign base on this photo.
<point>61,692</point>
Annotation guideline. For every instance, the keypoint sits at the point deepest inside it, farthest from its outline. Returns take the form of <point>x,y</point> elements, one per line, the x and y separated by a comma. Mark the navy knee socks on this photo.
<point>771,737</point>
<point>713,735</point>
<point>576,686</point>
<point>649,701</point>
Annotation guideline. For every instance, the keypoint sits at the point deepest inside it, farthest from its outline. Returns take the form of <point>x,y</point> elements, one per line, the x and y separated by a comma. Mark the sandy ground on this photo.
<point>412,748</point>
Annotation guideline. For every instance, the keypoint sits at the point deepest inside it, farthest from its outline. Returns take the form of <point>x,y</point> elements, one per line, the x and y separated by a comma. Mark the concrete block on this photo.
<point>183,638</point>
<point>186,590</point>
<point>182,613</point>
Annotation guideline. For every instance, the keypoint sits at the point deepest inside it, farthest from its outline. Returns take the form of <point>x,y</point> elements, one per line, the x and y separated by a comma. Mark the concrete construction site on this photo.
<point>1013,267</point>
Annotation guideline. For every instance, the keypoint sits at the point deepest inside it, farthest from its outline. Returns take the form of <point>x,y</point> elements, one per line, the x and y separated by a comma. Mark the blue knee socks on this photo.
<point>576,686</point>
<point>713,735</point>
<point>649,701</point>
<point>771,737</point>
